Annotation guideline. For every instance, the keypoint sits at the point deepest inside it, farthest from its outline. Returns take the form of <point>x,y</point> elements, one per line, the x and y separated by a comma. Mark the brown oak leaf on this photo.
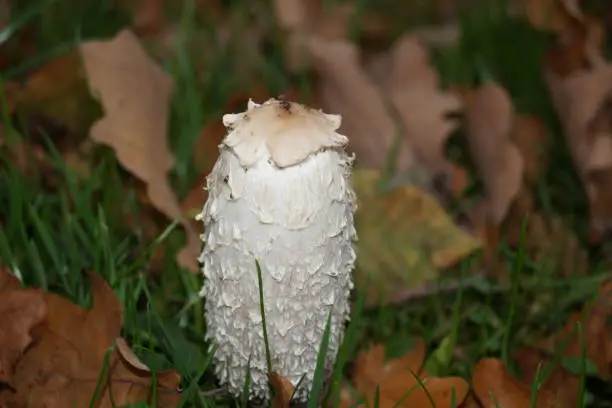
<point>495,387</point>
<point>135,94</point>
<point>403,381</point>
<point>21,310</point>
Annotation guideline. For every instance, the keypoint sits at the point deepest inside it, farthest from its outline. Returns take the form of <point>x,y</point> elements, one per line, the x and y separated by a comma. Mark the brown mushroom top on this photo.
<point>285,132</point>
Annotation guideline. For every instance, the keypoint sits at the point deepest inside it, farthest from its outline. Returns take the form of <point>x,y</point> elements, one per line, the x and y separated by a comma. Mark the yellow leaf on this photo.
<point>405,238</point>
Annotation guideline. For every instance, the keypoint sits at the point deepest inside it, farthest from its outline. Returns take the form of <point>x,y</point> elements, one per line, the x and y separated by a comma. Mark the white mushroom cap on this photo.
<point>285,132</point>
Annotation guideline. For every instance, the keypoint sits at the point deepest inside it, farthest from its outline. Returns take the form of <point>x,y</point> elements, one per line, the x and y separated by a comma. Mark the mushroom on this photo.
<point>279,195</point>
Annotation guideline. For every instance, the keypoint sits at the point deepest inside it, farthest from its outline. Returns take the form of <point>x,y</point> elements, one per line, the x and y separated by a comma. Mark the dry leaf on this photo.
<point>413,86</point>
<point>405,238</point>
<point>489,116</point>
<point>496,388</point>
<point>283,390</point>
<point>397,379</point>
<point>21,310</point>
<point>63,364</point>
<point>582,101</point>
<point>135,381</point>
<point>345,88</point>
<point>135,94</point>
<point>564,385</point>
<point>62,367</point>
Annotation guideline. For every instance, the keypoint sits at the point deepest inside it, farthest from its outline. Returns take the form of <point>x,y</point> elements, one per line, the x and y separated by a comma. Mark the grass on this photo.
<point>50,237</point>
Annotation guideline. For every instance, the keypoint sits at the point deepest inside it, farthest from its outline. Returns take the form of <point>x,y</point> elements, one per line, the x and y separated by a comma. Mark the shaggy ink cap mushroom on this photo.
<point>279,193</point>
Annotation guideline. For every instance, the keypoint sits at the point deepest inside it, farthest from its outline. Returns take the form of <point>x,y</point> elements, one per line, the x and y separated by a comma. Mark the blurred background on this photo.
<point>482,136</point>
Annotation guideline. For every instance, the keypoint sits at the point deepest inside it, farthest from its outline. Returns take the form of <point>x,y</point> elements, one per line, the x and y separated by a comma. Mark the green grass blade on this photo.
<point>319,374</point>
<point>262,310</point>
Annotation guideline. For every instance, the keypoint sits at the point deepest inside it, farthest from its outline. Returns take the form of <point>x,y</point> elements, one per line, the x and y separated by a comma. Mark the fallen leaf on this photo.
<point>21,310</point>
<point>65,363</point>
<point>489,116</point>
<point>564,385</point>
<point>496,388</point>
<point>371,369</point>
<point>283,390</point>
<point>402,379</point>
<point>62,367</point>
<point>582,101</point>
<point>135,94</point>
<point>130,381</point>
<point>413,85</point>
<point>346,89</point>
<point>405,238</point>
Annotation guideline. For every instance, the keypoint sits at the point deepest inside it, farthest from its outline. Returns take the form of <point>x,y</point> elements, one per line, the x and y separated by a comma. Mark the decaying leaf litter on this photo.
<point>433,229</point>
